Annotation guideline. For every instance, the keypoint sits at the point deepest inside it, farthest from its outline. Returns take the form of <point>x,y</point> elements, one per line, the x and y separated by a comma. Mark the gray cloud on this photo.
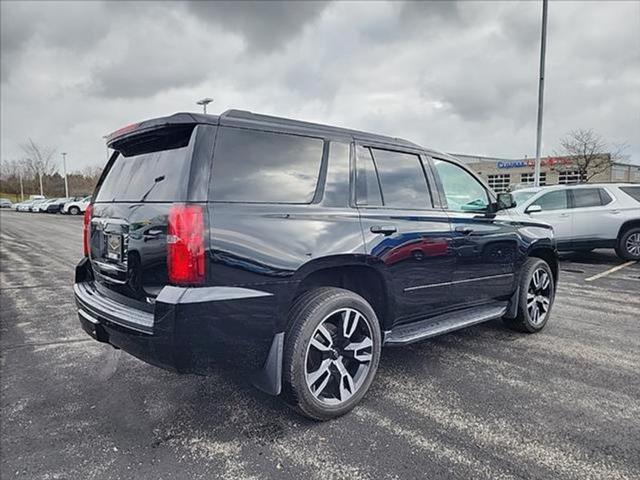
<point>455,76</point>
<point>75,26</point>
<point>265,25</point>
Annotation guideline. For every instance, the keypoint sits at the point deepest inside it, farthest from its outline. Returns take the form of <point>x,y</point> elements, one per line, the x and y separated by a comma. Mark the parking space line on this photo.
<point>611,270</point>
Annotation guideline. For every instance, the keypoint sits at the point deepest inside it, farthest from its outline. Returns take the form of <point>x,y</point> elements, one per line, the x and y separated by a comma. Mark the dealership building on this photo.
<point>508,174</point>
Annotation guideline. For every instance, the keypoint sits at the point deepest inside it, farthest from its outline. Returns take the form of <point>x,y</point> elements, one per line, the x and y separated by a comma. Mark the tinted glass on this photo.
<point>633,192</point>
<point>605,198</point>
<point>461,189</point>
<point>556,200</point>
<point>149,168</point>
<point>402,179</point>
<point>336,188</point>
<point>252,166</point>
<point>586,197</point>
<point>367,186</point>
<point>521,196</point>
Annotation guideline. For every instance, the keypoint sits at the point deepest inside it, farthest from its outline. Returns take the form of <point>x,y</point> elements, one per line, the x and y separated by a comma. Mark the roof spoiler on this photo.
<point>158,123</point>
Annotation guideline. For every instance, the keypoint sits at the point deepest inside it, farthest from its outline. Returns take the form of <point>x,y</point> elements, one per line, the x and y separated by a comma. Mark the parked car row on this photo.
<point>66,205</point>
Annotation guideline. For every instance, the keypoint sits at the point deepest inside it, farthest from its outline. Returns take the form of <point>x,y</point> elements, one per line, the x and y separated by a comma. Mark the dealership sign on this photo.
<point>549,161</point>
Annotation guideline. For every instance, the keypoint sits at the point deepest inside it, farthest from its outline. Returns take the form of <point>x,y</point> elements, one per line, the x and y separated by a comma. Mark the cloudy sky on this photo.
<point>455,76</point>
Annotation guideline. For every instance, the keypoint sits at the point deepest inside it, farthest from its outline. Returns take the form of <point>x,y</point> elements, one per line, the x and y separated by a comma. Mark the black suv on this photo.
<point>295,251</point>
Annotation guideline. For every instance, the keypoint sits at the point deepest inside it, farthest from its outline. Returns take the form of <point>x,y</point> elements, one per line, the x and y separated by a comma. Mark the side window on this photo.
<point>556,200</point>
<point>586,197</point>
<point>633,192</point>
<point>367,186</point>
<point>402,180</point>
<point>605,198</point>
<point>462,190</point>
<point>336,186</point>
<point>256,166</point>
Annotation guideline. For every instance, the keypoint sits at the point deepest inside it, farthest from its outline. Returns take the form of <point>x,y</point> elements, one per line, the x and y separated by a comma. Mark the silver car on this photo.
<point>588,216</point>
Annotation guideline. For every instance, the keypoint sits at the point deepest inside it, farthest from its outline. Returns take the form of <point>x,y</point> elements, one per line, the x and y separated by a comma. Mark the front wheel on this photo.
<point>628,247</point>
<point>536,296</point>
<point>332,349</point>
<point>74,211</point>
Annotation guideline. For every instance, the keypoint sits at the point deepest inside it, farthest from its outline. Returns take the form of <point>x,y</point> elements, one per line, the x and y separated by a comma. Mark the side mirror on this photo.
<point>505,201</point>
<point>533,209</point>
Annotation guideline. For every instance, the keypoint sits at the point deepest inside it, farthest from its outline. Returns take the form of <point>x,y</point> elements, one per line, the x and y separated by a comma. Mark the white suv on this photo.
<point>77,207</point>
<point>588,216</point>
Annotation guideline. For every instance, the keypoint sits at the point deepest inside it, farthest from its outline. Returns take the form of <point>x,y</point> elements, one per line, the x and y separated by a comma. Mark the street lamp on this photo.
<point>543,48</point>
<point>64,170</point>
<point>204,102</point>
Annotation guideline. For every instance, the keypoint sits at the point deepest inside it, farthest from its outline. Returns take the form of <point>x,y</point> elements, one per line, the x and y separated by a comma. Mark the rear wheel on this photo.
<point>537,293</point>
<point>74,211</point>
<point>332,349</point>
<point>628,247</point>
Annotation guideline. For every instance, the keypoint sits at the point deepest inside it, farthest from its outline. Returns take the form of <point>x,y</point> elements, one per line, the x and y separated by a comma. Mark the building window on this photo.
<point>500,182</point>
<point>618,173</point>
<point>527,178</point>
<point>571,176</point>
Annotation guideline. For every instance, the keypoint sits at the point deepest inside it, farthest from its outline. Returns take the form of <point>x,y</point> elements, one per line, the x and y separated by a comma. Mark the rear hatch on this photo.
<point>148,173</point>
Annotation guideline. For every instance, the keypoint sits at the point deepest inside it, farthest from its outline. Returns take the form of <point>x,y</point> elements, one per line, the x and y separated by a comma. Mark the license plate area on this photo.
<point>114,246</point>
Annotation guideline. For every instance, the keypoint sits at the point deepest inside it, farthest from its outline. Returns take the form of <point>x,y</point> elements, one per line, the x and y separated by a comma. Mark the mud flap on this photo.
<point>512,307</point>
<point>269,377</point>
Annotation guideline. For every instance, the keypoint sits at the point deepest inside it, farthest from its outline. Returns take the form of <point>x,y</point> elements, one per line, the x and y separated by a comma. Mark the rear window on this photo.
<point>633,192</point>
<point>152,167</point>
<point>265,167</point>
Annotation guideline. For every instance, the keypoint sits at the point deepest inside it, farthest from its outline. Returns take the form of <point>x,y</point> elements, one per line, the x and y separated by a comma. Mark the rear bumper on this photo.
<point>191,330</point>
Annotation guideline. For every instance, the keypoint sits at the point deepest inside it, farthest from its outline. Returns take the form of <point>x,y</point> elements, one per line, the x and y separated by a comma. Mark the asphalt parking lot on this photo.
<point>482,403</point>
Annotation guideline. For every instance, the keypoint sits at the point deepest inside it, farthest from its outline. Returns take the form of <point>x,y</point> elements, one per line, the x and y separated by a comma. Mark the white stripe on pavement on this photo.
<point>611,270</point>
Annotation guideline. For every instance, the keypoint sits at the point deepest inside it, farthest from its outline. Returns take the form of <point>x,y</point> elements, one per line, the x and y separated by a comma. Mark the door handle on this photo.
<point>615,212</point>
<point>384,229</point>
<point>563,215</point>
<point>464,230</point>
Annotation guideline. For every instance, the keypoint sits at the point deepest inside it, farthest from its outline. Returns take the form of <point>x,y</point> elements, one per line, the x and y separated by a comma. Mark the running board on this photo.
<point>441,324</point>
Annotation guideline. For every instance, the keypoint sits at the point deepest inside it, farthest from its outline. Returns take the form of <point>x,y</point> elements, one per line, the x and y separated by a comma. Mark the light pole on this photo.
<point>107,146</point>
<point>21,187</point>
<point>543,48</point>
<point>204,102</point>
<point>64,170</point>
<point>39,167</point>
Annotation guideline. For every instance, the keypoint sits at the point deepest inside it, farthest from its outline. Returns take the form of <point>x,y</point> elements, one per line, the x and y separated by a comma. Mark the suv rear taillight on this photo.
<point>86,230</point>
<point>185,245</point>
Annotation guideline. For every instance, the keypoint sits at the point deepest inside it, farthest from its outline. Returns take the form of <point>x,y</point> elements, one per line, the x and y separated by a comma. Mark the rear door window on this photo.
<point>402,179</point>
<point>367,185</point>
<point>265,167</point>
<point>151,167</point>
<point>586,197</point>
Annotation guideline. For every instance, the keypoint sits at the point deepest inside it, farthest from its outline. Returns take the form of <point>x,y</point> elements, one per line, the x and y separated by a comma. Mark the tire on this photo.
<point>628,246</point>
<point>316,316</point>
<point>74,210</point>
<point>526,319</point>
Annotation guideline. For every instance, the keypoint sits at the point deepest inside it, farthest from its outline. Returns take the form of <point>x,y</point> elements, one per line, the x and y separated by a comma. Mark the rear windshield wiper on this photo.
<point>156,181</point>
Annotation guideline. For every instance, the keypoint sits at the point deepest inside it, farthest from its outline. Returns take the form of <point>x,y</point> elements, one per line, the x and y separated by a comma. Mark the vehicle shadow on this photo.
<point>594,257</point>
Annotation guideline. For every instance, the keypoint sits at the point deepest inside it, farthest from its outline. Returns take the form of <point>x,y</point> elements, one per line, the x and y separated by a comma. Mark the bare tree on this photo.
<point>39,159</point>
<point>591,154</point>
<point>12,175</point>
